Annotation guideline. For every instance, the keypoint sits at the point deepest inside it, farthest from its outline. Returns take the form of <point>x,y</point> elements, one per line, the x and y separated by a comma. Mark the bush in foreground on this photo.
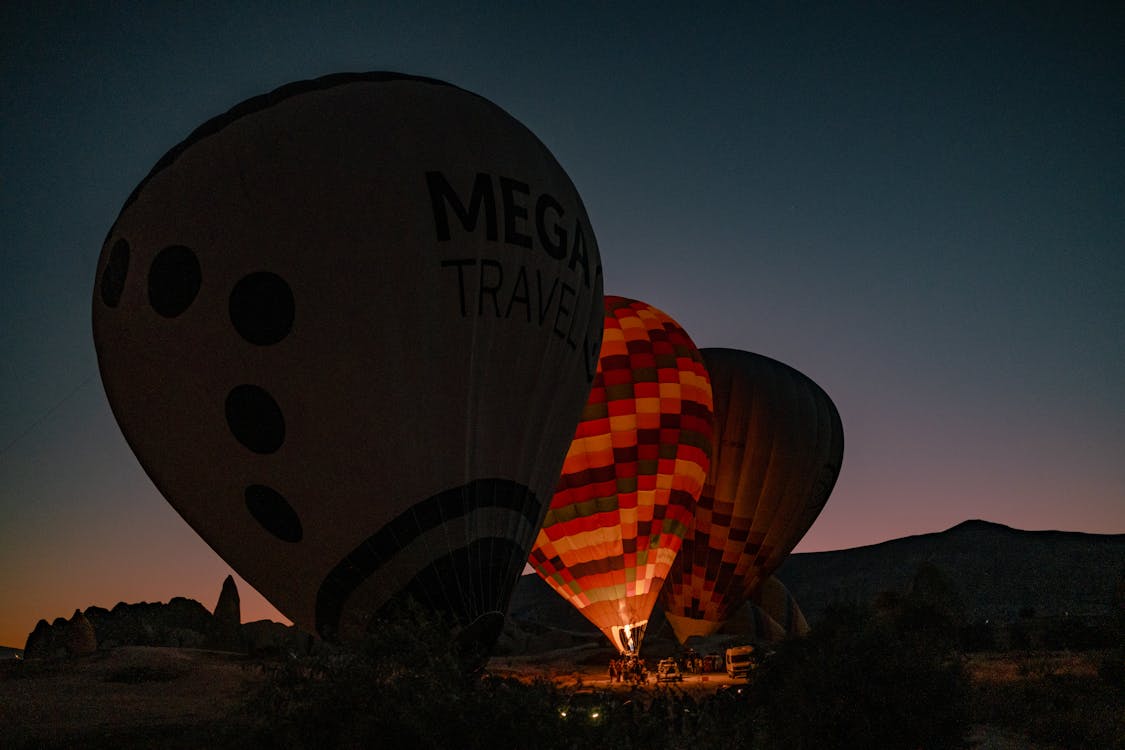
<point>861,680</point>
<point>406,687</point>
<point>403,687</point>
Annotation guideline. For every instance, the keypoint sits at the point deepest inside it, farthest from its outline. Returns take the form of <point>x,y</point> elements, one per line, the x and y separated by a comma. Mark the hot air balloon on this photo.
<point>774,599</point>
<point>778,445</point>
<point>348,329</point>
<point>633,472</point>
<point>752,623</point>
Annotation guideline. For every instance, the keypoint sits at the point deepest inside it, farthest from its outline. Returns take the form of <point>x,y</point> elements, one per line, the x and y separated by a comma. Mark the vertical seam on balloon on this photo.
<point>797,391</point>
<point>772,485</point>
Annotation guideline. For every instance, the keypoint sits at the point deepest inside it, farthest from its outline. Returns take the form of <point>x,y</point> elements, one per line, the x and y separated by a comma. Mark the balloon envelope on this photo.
<point>774,599</point>
<point>778,445</point>
<point>632,474</point>
<point>348,329</point>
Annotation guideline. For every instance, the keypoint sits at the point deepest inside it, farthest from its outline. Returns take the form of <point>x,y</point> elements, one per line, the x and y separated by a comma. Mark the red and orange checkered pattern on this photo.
<point>633,473</point>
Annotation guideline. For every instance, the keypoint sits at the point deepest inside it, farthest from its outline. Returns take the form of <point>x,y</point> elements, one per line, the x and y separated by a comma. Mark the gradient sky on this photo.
<point>920,206</point>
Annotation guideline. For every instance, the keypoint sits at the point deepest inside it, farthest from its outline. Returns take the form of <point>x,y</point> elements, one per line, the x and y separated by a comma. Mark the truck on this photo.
<point>668,671</point>
<point>739,661</point>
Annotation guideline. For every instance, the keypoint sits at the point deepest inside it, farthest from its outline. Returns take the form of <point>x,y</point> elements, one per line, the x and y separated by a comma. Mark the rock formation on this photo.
<point>226,627</point>
<point>181,623</point>
<point>79,637</point>
<point>227,609</point>
<point>40,642</point>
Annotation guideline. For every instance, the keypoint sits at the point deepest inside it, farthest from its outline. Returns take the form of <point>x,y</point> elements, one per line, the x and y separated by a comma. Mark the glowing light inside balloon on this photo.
<point>637,463</point>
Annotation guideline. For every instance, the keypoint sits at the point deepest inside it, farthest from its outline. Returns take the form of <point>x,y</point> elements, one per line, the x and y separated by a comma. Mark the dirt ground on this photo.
<point>134,697</point>
<point>573,668</point>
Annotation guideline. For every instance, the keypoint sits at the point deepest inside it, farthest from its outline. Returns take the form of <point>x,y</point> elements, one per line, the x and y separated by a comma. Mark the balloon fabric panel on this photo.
<point>636,465</point>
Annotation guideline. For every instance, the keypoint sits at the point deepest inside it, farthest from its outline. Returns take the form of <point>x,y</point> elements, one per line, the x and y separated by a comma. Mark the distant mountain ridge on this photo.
<point>998,571</point>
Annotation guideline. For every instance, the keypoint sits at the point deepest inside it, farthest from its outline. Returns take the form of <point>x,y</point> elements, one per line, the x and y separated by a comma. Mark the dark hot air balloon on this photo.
<point>632,474</point>
<point>774,599</point>
<point>348,328</point>
<point>778,444</point>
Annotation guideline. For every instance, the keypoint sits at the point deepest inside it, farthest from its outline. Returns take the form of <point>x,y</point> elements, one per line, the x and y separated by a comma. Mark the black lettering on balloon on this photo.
<point>524,299</point>
<point>556,246</point>
<point>489,289</point>
<point>544,308</point>
<point>579,253</point>
<point>592,339</point>
<point>514,212</point>
<point>592,348</point>
<point>562,310</point>
<point>515,198</point>
<point>460,265</point>
<point>570,329</point>
<point>442,194</point>
<point>497,298</point>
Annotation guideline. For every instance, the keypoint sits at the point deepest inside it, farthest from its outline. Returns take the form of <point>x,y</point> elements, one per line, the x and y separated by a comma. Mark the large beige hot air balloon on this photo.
<point>632,474</point>
<point>778,445</point>
<point>348,329</point>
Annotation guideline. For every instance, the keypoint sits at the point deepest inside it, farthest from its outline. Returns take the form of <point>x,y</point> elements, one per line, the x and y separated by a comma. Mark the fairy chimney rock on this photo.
<point>228,610</point>
<point>80,637</point>
<point>39,641</point>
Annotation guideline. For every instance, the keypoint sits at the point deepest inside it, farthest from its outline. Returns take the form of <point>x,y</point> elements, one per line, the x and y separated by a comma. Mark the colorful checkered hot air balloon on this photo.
<point>632,475</point>
<point>778,445</point>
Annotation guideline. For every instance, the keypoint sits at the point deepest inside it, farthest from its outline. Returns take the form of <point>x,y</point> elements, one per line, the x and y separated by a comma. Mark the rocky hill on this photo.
<point>181,623</point>
<point>998,571</point>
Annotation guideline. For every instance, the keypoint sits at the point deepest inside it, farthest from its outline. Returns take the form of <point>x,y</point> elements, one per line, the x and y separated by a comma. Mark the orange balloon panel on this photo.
<point>632,475</point>
<point>778,445</point>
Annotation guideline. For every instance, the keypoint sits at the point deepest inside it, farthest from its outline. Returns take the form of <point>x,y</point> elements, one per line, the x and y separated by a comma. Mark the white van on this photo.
<point>739,661</point>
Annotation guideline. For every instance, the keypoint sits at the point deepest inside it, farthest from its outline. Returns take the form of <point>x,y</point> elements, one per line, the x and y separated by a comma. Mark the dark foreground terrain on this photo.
<point>901,656</point>
<point>141,697</point>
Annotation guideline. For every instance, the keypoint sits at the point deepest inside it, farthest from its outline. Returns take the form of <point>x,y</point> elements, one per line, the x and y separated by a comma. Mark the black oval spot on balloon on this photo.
<point>173,280</point>
<point>255,419</point>
<point>114,273</point>
<point>273,512</point>
<point>261,308</point>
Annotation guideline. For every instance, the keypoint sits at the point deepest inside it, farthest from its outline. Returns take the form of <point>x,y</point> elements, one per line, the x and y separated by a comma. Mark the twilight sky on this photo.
<point>921,207</point>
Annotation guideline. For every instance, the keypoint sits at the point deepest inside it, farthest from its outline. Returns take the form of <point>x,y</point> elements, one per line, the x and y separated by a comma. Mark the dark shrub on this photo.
<point>405,687</point>
<point>860,680</point>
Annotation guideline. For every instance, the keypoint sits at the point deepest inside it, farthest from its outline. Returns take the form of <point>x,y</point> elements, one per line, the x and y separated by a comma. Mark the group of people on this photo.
<point>628,668</point>
<point>632,669</point>
<point>691,662</point>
